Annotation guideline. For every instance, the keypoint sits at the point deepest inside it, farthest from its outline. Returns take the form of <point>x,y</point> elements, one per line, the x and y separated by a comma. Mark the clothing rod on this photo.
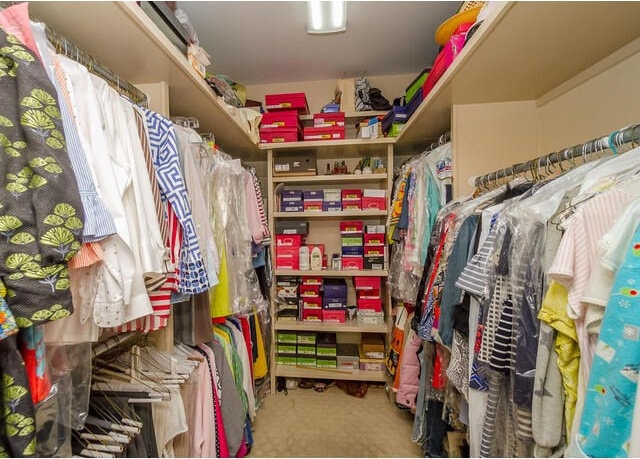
<point>618,138</point>
<point>69,49</point>
<point>116,340</point>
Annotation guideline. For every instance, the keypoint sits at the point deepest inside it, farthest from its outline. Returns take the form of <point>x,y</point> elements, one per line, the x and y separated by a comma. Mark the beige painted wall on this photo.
<point>486,137</point>
<point>321,92</point>
<point>603,104</point>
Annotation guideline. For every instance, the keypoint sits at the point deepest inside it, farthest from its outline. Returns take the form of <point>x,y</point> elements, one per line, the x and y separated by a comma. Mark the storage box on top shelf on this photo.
<point>395,129</point>
<point>373,199</point>
<point>397,114</point>
<point>328,119</point>
<point>351,199</point>
<point>280,135</point>
<point>413,104</point>
<point>288,164</point>
<point>289,101</point>
<point>283,119</point>
<point>323,133</point>
<point>415,87</point>
<point>445,58</point>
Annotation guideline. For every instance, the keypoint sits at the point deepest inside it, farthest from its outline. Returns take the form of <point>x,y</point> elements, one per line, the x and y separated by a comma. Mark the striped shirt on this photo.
<point>162,142</point>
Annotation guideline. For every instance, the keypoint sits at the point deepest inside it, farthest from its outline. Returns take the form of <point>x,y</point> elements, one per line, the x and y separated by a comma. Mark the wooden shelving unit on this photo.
<point>290,371</point>
<point>327,273</point>
<point>328,179</point>
<point>316,214</point>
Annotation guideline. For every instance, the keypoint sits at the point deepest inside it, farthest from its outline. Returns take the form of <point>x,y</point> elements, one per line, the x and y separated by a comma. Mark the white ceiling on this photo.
<point>257,42</point>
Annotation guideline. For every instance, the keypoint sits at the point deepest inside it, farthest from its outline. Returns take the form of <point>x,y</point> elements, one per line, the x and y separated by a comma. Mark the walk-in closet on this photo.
<point>319,228</point>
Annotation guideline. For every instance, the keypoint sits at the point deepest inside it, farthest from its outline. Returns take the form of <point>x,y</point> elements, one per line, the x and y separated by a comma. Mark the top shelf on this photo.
<point>523,51</point>
<point>122,37</point>
<point>351,115</point>
<point>331,148</point>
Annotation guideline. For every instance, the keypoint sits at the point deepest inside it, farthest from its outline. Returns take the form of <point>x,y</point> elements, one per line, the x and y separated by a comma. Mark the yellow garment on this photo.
<point>219,295</point>
<point>260,365</point>
<point>554,312</point>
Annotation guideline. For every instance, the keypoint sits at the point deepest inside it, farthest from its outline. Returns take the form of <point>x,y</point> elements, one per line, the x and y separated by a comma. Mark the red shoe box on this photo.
<point>296,101</point>
<point>311,303</point>
<point>280,135</point>
<point>310,291</point>
<point>328,119</point>
<point>312,315</point>
<point>311,280</point>
<point>371,203</point>
<point>373,239</point>
<point>374,251</point>
<point>367,283</point>
<point>313,204</point>
<point>323,133</point>
<point>283,119</point>
<point>334,315</point>
<point>288,240</point>
<point>287,258</point>
<point>349,263</point>
<point>353,194</point>
<point>370,304</point>
<point>351,227</point>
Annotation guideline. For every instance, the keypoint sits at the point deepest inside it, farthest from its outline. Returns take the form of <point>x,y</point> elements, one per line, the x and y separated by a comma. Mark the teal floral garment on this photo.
<point>41,215</point>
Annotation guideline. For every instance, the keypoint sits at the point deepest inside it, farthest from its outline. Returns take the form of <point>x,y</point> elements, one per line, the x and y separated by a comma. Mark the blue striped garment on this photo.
<point>164,151</point>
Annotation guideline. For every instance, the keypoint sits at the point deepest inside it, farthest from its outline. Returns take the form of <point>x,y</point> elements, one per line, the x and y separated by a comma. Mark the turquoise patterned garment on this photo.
<point>605,429</point>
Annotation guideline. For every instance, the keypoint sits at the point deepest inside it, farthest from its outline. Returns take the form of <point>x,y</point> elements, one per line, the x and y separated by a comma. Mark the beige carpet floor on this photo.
<point>306,423</point>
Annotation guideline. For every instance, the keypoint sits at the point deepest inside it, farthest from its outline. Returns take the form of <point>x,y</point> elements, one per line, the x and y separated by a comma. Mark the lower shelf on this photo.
<point>348,326</point>
<point>290,371</point>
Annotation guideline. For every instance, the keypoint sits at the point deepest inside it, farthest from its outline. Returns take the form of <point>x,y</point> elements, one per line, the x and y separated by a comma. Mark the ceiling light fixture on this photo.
<point>326,16</point>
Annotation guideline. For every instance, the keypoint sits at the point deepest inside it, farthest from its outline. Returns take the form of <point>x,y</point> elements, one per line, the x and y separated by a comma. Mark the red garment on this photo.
<point>32,349</point>
<point>246,332</point>
<point>222,436</point>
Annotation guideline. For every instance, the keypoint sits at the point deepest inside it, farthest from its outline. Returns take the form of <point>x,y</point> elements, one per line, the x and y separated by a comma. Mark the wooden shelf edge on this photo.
<point>327,143</point>
<point>334,214</point>
<point>350,326</point>
<point>291,371</point>
<point>328,273</point>
<point>331,178</point>
<point>351,115</point>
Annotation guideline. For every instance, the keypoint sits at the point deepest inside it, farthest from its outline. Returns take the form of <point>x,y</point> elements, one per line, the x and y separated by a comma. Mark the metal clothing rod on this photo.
<point>114,341</point>
<point>69,49</point>
<point>618,138</point>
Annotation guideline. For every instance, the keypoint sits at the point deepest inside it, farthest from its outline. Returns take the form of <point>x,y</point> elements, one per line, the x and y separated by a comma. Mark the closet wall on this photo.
<point>601,99</point>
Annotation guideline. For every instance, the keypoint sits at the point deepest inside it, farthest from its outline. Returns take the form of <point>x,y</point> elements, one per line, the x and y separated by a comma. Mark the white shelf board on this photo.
<point>521,52</point>
<point>316,214</point>
<point>328,273</point>
<point>348,326</point>
<point>323,149</point>
<point>291,371</point>
<point>123,38</point>
<point>338,178</point>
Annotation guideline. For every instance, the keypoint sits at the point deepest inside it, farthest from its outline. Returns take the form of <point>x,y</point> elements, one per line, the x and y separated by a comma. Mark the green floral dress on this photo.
<point>41,223</point>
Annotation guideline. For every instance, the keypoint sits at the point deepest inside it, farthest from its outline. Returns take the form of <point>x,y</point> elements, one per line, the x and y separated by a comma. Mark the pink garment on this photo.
<point>212,427</point>
<point>15,21</point>
<point>409,372</point>
<point>253,213</point>
<point>222,436</point>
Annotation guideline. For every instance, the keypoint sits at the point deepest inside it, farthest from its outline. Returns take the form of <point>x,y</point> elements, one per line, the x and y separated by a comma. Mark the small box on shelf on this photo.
<point>304,337</point>
<point>292,227</point>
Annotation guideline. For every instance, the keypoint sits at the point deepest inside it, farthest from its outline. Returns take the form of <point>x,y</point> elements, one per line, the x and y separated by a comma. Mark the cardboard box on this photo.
<point>352,263</point>
<point>280,135</point>
<point>292,195</point>
<point>287,258</point>
<point>370,304</point>
<point>306,349</point>
<point>286,359</point>
<point>304,337</point>
<point>292,227</point>
<point>352,241</point>
<point>313,205</point>
<point>306,360</point>
<point>286,348</point>
<point>311,280</point>
<point>334,303</point>
<point>351,193</point>
<point>285,337</point>
<point>372,347</point>
<point>374,262</point>
<point>368,317</point>
<point>334,287</point>
<point>332,195</point>
<point>328,119</point>
<point>312,315</point>
<point>332,206</point>
<point>313,195</point>
<point>352,204</point>
<point>281,119</point>
<point>355,251</point>
<point>323,133</point>
<point>310,291</point>
<point>294,164</point>
<point>296,101</point>
<point>288,240</point>
<point>367,283</point>
<point>334,315</point>
<point>348,356</point>
<point>326,362</point>
<point>374,251</point>
<point>375,229</point>
<point>370,364</point>
<point>312,303</point>
<point>292,206</point>
<point>351,227</point>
